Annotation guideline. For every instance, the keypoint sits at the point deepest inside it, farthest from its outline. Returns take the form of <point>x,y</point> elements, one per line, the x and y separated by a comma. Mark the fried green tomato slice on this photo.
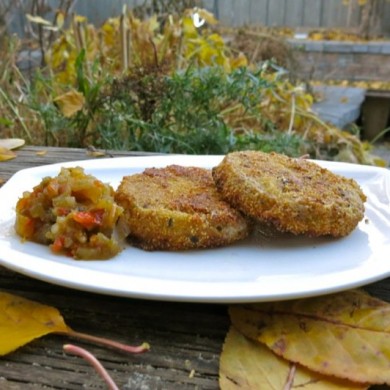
<point>74,213</point>
<point>176,208</point>
<point>292,194</point>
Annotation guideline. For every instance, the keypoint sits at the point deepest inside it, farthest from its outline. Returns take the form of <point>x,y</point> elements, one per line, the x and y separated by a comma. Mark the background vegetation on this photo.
<point>166,83</point>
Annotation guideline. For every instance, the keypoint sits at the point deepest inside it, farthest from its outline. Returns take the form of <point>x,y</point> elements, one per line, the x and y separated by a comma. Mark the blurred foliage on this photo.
<point>128,42</point>
<point>167,85</point>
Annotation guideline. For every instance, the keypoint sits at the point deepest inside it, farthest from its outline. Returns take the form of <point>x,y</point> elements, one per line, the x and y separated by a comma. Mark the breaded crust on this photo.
<point>294,195</point>
<point>177,208</point>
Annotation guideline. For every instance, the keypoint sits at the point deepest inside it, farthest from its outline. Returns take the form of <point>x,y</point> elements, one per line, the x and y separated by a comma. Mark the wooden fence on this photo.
<point>293,13</point>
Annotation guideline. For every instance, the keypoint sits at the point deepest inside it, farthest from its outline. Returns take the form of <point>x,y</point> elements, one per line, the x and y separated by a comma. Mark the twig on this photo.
<point>292,116</point>
<point>123,41</point>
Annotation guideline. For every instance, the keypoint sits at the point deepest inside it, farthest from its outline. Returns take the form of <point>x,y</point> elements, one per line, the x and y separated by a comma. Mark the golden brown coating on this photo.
<point>177,208</point>
<point>294,195</point>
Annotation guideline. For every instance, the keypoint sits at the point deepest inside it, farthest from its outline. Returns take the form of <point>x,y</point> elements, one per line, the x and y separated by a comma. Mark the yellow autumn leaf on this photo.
<point>152,24</point>
<point>246,364</point>
<point>239,61</point>
<point>60,19</point>
<point>216,41</point>
<point>22,321</point>
<point>96,153</point>
<point>38,19</point>
<point>317,37</point>
<point>189,29</point>
<point>375,84</point>
<point>6,154</point>
<point>346,154</point>
<point>379,162</point>
<point>79,19</point>
<point>207,16</point>
<point>11,143</point>
<point>346,335</point>
<point>70,102</point>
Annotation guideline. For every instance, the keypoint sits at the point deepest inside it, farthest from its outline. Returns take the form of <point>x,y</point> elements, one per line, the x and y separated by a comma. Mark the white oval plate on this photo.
<point>254,270</point>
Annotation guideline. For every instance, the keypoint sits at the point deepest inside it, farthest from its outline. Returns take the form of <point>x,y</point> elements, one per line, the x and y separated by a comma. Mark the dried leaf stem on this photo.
<point>106,342</point>
<point>94,362</point>
<point>290,378</point>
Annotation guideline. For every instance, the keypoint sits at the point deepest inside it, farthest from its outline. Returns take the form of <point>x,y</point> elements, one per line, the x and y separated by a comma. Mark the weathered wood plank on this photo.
<point>353,14</point>
<point>334,14</point>
<point>183,337</point>
<point>276,12</point>
<point>312,10</point>
<point>241,12</point>
<point>31,156</point>
<point>211,5</point>
<point>259,12</point>
<point>225,12</point>
<point>294,13</point>
<point>386,19</point>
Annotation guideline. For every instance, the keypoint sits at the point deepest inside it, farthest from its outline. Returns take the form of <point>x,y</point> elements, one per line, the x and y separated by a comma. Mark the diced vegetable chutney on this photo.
<point>74,213</point>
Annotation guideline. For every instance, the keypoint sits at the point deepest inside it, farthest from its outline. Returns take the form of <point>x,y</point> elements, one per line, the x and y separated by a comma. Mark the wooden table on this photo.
<point>185,338</point>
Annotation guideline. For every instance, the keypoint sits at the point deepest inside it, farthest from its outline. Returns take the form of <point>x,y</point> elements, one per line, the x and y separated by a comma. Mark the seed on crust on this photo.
<point>294,195</point>
<point>177,208</point>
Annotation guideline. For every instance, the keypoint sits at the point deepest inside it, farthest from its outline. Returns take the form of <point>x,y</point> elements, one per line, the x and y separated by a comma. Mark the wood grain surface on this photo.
<point>185,338</point>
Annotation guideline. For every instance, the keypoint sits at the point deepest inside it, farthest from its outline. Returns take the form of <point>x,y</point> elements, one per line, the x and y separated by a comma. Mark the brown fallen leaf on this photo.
<point>346,335</point>
<point>249,365</point>
<point>23,320</point>
<point>12,143</point>
<point>6,154</point>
